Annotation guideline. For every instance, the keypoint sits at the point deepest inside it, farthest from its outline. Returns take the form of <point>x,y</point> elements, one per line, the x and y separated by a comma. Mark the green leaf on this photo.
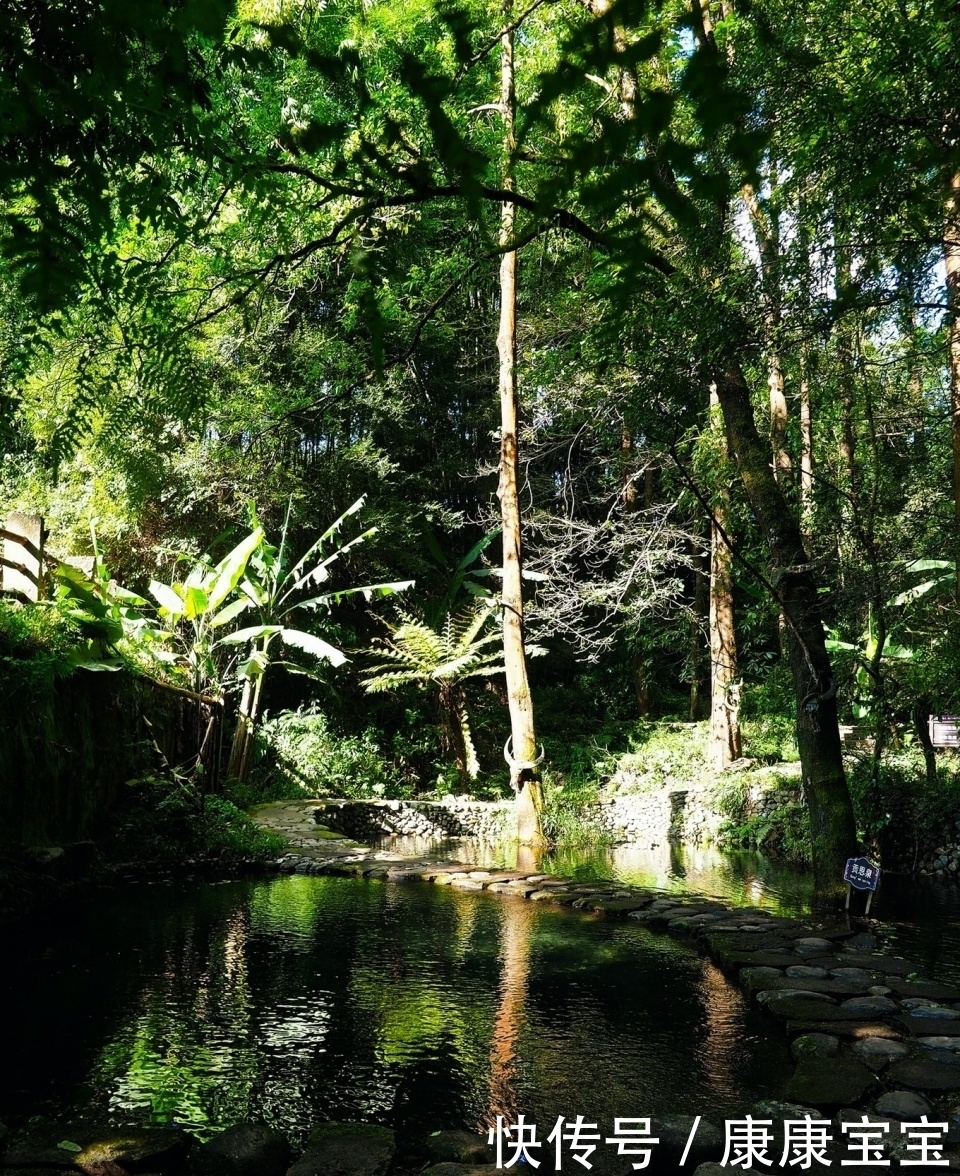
<point>232,610</point>
<point>253,633</point>
<point>315,645</point>
<point>68,1145</point>
<point>230,569</point>
<point>167,598</point>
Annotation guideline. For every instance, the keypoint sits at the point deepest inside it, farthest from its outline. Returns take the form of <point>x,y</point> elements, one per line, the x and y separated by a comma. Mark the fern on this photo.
<point>447,656</point>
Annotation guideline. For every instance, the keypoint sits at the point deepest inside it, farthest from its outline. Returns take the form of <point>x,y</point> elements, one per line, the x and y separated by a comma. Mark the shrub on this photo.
<point>299,754</point>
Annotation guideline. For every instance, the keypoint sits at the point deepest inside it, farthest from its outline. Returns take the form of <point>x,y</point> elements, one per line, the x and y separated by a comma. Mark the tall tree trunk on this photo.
<point>725,743</point>
<point>701,611</point>
<point>806,455</point>
<point>832,825</point>
<point>524,773</point>
<point>951,255</point>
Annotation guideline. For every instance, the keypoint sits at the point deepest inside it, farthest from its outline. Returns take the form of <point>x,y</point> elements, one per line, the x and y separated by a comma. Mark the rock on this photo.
<point>862,942</point>
<point>870,1006</point>
<point>941,1043</point>
<point>903,1104</point>
<point>816,1045</point>
<point>918,1002</point>
<point>935,1012</point>
<point>155,1149</point>
<point>459,1147</point>
<point>346,1149</point>
<point>249,1149</point>
<point>793,994</point>
<point>803,1009</point>
<point>924,1075</point>
<point>812,945</point>
<point>858,974</point>
<point>879,990</point>
<point>756,979</point>
<point>829,1082</point>
<point>45,858</point>
<point>872,1050</point>
<point>801,971</point>
<point>929,1026</point>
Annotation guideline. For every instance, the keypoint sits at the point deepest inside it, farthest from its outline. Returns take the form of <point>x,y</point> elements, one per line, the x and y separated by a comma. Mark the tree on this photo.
<point>447,655</point>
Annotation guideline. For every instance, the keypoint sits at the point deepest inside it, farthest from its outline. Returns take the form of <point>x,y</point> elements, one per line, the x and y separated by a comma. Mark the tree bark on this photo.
<point>806,456</point>
<point>951,256</point>
<point>725,743</point>
<point>832,826</point>
<point>524,773</point>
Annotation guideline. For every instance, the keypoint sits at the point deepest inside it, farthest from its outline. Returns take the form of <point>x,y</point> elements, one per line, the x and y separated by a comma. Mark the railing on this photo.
<point>23,561</point>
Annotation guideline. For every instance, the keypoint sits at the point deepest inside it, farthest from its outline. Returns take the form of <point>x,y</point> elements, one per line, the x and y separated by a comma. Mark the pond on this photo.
<point>302,999</point>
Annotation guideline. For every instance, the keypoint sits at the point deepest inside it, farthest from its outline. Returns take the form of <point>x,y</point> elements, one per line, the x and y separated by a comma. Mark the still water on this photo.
<point>300,999</point>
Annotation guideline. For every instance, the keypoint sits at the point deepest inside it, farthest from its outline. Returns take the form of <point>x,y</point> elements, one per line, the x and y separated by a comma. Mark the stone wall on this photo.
<point>453,816</point>
<point>67,748</point>
<point>692,815</point>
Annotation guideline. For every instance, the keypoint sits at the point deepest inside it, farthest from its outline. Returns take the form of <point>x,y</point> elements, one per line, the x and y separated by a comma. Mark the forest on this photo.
<point>454,397</point>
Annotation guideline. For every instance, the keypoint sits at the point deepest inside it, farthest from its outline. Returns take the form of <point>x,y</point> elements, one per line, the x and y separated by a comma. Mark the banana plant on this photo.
<point>274,587</point>
<point>195,609</point>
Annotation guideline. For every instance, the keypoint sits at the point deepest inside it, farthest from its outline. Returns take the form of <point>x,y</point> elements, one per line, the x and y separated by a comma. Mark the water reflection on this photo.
<point>302,999</point>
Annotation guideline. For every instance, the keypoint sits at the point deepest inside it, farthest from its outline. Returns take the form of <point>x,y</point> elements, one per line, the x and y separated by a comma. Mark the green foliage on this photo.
<point>36,646</point>
<point>660,755</point>
<point>167,820</point>
<point>300,755</point>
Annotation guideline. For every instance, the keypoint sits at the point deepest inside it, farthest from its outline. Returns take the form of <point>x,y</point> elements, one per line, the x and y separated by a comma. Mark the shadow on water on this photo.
<point>918,919</point>
<point>301,999</point>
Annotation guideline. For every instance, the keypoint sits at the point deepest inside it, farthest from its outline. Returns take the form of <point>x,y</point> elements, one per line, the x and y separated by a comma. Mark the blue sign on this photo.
<point>862,874</point>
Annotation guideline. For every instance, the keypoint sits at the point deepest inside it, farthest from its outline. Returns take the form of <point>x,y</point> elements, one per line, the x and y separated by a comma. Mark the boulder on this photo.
<point>155,1150</point>
<point>249,1149</point>
<point>346,1149</point>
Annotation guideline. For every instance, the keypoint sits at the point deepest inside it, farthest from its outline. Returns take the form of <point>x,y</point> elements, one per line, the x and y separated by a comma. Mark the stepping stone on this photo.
<point>249,1149</point>
<point>879,990</point>
<point>802,971</point>
<point>856,1030</point>
<point>792,993</point>
<point>870,1006</point>
<point>758,979</point>
<point>829,1082</point>
<point>860,975</point>
<point>673,1131</point>
<point>872,1050</point>
<point>816,1045</point>
<point>903,1104</point>
<point>952,1043</point>
<point>466,884</point>
<point>888,965</point>
<point>924,1075</point>
<point>346,1149</point>
<point>519,888</point>
<point>794,1008</point>
<point>612,906</point>
<point>929,1026</point>
<point>932,1012</point>
<point>811,945</point>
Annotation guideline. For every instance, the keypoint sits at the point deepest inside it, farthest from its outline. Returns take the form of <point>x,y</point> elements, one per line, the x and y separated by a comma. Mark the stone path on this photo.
<point>868,1032</point>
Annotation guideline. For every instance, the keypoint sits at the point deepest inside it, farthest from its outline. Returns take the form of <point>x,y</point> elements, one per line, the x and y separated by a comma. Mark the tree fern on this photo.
<point>447,656</point>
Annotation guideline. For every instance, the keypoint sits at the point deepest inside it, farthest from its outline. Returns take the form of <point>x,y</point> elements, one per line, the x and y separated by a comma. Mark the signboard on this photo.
<point>861,873</point>
<point>944,730</point>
